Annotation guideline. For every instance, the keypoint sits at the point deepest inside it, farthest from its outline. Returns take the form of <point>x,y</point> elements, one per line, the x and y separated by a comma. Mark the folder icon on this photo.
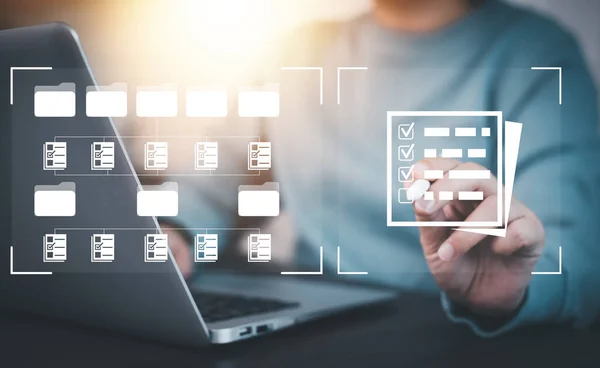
<point>158,200</point>
<point>106,101</point>
<point>54,200</point>
<point>258,200</point>
<point>206,103</point>
<point>259,101</point>
<point>54,101</point>
<point>157,101</point>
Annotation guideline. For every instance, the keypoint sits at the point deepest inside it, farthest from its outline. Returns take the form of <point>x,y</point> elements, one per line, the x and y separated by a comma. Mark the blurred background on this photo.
<point>137,37</point>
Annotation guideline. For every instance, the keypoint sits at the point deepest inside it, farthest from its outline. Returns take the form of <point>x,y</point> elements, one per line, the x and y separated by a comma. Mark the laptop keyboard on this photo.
<point>216,307</point>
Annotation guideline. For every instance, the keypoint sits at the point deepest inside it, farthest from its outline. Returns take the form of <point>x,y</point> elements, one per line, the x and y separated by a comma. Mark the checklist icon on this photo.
<point>207,157</point>
<point>406,131</point>
<point>55,247</point>
<point>156,248</point>
<point>103,155</point>
<point>55,155</point>
<point>406,174</point>
<point>103,247</point>
<point>259,155</point>
<point>156,156</point>
<point>406,153</point>
<point>259,247</point>
<point>207,248</point>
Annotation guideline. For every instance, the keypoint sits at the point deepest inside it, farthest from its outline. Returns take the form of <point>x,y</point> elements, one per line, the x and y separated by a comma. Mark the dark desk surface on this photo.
<point>412,332</point>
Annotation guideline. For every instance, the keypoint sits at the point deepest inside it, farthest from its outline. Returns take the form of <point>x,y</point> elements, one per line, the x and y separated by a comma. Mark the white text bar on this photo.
<point>452,153</point>
<point>468,174</point>
<point>433,174</point>
<point>476,153</point>
<point>437,132</point>
<point>465,132</point>
<point>470,196</point>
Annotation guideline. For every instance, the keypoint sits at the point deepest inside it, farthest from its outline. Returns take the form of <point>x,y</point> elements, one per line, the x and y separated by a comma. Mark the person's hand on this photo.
<point>180,249</point>
<point>488,275</point>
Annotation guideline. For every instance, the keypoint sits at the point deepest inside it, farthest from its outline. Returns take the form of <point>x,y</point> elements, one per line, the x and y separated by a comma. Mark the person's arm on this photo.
<point>557,179</point>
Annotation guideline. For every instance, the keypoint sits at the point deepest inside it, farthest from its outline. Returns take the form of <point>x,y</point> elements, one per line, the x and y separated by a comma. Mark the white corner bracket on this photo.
<point>12,268</point>
<point>338,77</point>
<point>12,70</point>
<point>559,78</point>
<point>320,272</point>
<point>559,272</point>
<point>320,69</point>
<point>347,272</point>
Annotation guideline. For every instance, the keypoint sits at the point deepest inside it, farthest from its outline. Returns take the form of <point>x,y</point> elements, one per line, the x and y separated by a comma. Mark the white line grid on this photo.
<point>340,272</point>
<point>338,77</point>
<point>390,174</point>
<point>256,173</point>
<point>559,68</point>
<point>320,69</point>
<point>320,272</point>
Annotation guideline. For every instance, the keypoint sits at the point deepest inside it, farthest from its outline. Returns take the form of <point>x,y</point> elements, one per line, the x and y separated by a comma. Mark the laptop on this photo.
<point>125,293</point>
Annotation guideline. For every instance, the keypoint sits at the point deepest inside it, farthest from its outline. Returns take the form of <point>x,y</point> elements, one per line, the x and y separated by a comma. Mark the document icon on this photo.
<point>55,247</point>
<point>258,200</point>
<point>54,200</point>
<point>206,248</point>
<point>156,155</point>
<point>158,200</point>
<point>106,101</point>
<point>54,101</point>
<point>259,155</point>
<point>55,155</point>
<point>259,247</point>
<point>103,247</point>
<point>206,103</point>
<point>103,155</point>
<point>207,155</point>
<point>259,101</point>
<point>157,101</point>
<point>156,248</point>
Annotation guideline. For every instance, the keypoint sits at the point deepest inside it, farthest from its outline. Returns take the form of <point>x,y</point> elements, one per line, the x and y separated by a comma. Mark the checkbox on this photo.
<point>201,246</point>
<point>255,154</point>
<point>98,246</point>
<point>403,196</point>
<point>406,131</point>
<point>254,246</point>
<point>98,155</point>
<point>200,154</point>
<point>406,153</point>
<point>51,246</point>
<point>406,174</point>
<point>50,154</point>
<point>151,246</point>
<point>150,154</point>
